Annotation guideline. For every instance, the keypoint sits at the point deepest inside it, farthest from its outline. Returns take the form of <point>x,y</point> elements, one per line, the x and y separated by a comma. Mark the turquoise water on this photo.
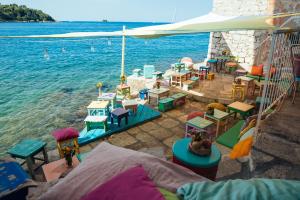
<point>46,84</point>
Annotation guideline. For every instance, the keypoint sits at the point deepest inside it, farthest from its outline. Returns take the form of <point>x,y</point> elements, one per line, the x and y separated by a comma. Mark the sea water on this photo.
<point>46,84</point>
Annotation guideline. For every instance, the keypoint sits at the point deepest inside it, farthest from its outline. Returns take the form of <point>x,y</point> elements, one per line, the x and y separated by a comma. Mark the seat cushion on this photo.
<point>195,114</point>
<point>212,61</point>
<point>263,189</point>
<point>218,106</point>
<point>133,183</point>
<point>257,70</point>
<point>65,134</point>
<point>242,148</point>
<point>231,136</point>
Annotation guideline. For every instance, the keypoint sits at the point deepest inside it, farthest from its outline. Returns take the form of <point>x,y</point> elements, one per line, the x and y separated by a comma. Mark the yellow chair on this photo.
<point>71,143</point>
<point>210,76</point>
<point>238,90</point>
<point>66,138</point>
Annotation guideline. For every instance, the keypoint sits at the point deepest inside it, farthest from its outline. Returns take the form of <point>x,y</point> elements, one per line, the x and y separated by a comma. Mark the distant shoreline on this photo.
<point>14,21</point>
<point>27,21</point>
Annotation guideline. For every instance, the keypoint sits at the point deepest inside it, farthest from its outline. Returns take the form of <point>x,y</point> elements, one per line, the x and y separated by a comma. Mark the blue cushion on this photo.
<point>263,189</point>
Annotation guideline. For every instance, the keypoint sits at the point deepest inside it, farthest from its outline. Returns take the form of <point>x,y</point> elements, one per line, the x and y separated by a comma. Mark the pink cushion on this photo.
<point>133,183</point>
<point>195,114</point>
<point>65,134</point>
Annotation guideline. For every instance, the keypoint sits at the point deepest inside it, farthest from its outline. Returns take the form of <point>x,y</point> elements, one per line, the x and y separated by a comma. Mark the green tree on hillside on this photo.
<point>14,12</point>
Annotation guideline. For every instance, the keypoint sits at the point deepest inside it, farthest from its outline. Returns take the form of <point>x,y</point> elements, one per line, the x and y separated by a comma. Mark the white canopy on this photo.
<point>207,23</point>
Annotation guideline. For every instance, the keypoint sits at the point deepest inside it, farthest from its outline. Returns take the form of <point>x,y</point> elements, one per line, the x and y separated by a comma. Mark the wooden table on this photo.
<point>179,77</point>
<point>55,169</point>
<point>119,113</point>
<point>111,97</point>
<point>130,104</point>
<point>241,108</point>
<point>206,166</point>
<point>249,84</point>
<point>98,108</point>
<point>158,93</point>
<point>26,150</point>
<point>197,123</point>
<point>123,90</point>
<point>96,122</point>
<point>218,116</point>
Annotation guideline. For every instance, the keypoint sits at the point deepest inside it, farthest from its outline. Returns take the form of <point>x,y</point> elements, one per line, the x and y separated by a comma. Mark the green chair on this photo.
<point>231,136</point>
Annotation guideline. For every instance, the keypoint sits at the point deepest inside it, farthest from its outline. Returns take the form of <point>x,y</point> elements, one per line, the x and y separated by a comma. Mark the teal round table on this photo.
<point>206,166</point>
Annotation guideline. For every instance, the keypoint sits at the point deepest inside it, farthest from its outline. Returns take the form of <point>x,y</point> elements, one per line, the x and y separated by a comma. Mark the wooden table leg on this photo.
<point>226,124</point>
<point>218,127</point>
<point>186,130</point>
<point>45,155</point>
<point>119,121</point>
<point>29,162</point>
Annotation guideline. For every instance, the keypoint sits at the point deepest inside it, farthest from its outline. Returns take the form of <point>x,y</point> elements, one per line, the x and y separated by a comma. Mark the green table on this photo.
<point>96,122</point>
<point>218,116</point>
<point>242,108</point>
<point>26,150</point>
<point>197,123</point>
<point>165,104</point>
<point>204,165</point>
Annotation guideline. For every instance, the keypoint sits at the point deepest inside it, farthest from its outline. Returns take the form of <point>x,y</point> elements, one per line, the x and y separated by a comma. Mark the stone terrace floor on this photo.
<point>157,137</point>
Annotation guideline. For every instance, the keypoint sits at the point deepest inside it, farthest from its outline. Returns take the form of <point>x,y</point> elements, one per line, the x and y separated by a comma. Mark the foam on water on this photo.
<point>46,84</point>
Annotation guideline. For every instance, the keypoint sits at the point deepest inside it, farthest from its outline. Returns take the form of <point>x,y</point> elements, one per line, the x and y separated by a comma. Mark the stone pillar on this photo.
<point>244,44</point>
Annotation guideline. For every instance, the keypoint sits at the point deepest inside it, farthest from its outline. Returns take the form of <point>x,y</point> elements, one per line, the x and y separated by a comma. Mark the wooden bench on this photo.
<point>165,104</point>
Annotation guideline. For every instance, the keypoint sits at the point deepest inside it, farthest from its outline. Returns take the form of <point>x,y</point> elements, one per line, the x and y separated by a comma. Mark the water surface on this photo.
<point>46,84</point>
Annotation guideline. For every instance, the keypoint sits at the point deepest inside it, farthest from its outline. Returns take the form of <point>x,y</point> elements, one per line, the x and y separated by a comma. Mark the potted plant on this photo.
<point>123,79</point>
<point>99,86</point>
<point>210,110</point>
<point>158,84</point>
<point>68,154</point>
<point>201,143</point>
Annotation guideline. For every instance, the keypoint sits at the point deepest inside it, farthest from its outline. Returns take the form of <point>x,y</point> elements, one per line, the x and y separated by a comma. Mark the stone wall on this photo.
<point>245,44</point>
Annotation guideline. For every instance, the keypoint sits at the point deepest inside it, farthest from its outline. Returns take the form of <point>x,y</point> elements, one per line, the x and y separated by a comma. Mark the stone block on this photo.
<point>279,147</point>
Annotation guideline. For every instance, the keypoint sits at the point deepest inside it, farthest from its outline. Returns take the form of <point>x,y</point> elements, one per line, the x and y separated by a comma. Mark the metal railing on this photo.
<point>278,52</point>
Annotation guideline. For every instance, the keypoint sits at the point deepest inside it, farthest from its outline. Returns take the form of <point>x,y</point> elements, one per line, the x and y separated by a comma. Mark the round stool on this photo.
<point>206,166</point>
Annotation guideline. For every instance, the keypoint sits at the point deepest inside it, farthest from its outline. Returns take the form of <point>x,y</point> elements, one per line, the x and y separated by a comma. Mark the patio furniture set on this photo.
<point>189,77</point>
<point>208,165</point>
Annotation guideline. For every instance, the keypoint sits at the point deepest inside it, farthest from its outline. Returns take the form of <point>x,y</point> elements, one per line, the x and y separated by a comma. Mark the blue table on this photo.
<point>206,166</point>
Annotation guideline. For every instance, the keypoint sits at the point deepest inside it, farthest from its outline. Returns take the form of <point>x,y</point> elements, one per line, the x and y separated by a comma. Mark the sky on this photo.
<point>119,10</point>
